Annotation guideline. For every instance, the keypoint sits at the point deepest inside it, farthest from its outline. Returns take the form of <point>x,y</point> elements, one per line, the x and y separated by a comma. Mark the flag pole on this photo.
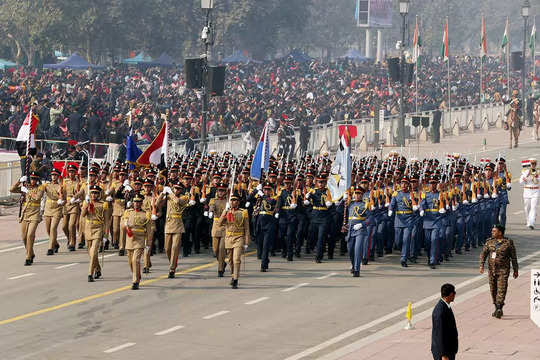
<point>448,51</point>
<point>417,48</point>
<point>508,62</point>
<point>533,50</point>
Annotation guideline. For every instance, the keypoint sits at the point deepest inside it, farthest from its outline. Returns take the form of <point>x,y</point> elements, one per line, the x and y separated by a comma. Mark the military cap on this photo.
<point>289,178</point>
<point>222,185</point>
<point>434,179</point>
<point>55,171</point>
<point>123,171</point>
<point>95,188</point>
<point>138,197</point>
<point>34,174</point>
<point>138,180</point>
<point>148,181</point>
<point>93,172</point>
<point>235,196</point>
<point>267,185</point>
<point>71,167</point>
<point>404,179</point>
<point>177,184</point>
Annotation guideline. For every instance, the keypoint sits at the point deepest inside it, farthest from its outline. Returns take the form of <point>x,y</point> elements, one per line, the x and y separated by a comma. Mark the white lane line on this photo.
<point>120,347</point>
<point>390,316</point>
<point>252,302</point>
<point>326,276</point>
<point>109,255</point>
<point>21,276</point>
<point>168,331</point>
<point>294,287</point>
<point>22,246</point>
<point>219,313</point>
<point>518,212</point>
<point>66,266</point>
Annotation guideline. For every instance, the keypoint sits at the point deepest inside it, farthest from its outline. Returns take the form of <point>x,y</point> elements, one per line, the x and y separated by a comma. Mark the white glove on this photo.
<point>293,206</point>
<point>167,190</point>
<point>442,211</point>
<point>345,196</point>
<point>147,248</point>
<point>447,207</point>
<point>128,204</point>
<point>372,208</point>
<point>422,212</point>
<point>245,247</point>
<point>486,196</point>
<point>108,198</point>
<point>306,202</point>
<point>23,179</point>
<point>105,239</point>
<point>465,201</point>
<point>203,200</point>
<point>205,214</point>
<point>73,200</point>
<point>211,215</point>
<point>247,204</point>
<point>125,223</point>
<point>415,207</point>
<point>60,202</point>
<point>328,203</point>
<point>509,186</point>
<point>390,212</point>
<point>227,206</point>
<point>154,217</point>
<point>276,215</point>
<point>191,202</point>
<point>494,196</point>
<point>454,207</point>
<point>357,226</point>
<point>307,195</point>
<point>260,193</point>
<point>87,198</point>
<point>336,202</point>
<point>386,204</point>
<point>128,188</point>
<point>107,192</point>
<point>126,183</point>
<point>259,187</point>
<point>24,189</point>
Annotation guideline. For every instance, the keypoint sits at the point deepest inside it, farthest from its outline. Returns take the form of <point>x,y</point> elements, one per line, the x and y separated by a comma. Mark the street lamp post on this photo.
<point>525,13</point>
<point>403,10</point>
<point>207,39</point>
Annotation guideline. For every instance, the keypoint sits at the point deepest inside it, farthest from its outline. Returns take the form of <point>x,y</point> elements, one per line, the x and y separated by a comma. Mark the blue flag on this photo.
<point>261,159</point>
<point>132,151</point>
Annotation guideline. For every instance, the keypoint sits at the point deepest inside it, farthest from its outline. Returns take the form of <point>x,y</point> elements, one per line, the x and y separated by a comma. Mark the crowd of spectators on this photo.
<point>98,106</point>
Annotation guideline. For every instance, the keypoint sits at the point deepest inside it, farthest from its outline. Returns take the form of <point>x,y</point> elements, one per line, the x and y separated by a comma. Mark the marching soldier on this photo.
<point>357,234</point>
<point>500,252</point>
<point>321,201</point>
<point>149,206</point>
<point>287,203</point>
<point>266,224</point>
<point>117,192</point>
<point>503,183</point>
<point>70,187</point>
<point>530,179</point>
<point>215,207</point>
<point>53,210</point>
<point>432,210</point>
<point>403,207</point>
<point>138,227</point>
<point>236,222</point>
<point>30,214</point>
<point>96,215</point>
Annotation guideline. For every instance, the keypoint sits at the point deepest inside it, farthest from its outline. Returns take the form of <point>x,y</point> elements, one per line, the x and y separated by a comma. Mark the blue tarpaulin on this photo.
<point>235,58</point>
<point>298,56</point>
<point>6,64</point>
<point>163,60</point>
<point>354,55</point>
<point>140,58</point>
<point>74,62</point>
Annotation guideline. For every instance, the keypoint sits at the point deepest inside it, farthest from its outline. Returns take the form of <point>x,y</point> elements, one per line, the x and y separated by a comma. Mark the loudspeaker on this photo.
<point>425,121</point>
<point>393,69</point>
<point>193,69</point>
<point>516,60</point>
<point>216,80</point>
<point>415,121</point>
<point>436,127</point>
<point>409,72</point>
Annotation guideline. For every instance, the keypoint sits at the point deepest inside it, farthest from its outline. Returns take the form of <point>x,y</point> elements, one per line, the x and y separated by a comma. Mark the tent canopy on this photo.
<point>139,58</point>
<point>6,64</point>
<point>74,62</point>
<point>354,55</point>
<point>163,60</point>
<point>298,56</point>
<point>235,58</point>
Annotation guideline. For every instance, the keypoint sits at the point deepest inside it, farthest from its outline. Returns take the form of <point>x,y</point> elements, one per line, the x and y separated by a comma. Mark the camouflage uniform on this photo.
<point>499,253</point>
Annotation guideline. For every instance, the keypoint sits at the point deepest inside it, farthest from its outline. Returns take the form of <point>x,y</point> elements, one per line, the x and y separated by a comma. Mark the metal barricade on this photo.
<point>10,172</point>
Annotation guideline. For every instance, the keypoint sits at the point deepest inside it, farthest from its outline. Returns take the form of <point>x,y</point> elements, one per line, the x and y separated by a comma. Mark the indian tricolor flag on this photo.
<point>417,42</point>
<point>532,40</point>
<point>340,175</point>
<point>158,147</point>
<point>483,40</point>
<point>444,48</point>
<point>504,43</point>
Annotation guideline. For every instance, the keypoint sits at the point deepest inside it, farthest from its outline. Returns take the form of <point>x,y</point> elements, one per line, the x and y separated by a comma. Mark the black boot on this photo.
<point>81,245</point>
<point>404,264</point>
<point>97,275</point>
<point>495,311</point>
<point>171,274</point>
<point>364,261</point>
<point>235,284</point>
<point>50,252</point>
<point>121,252</point>
<point>27,262</point>
<point>356,274</point>
<point>145,270</point>
<point>135,286</point>
<point>56,247</point>
<point>90,278</point>
<point>106,246</point>
<point>498,311</point>
<point>220,273</point>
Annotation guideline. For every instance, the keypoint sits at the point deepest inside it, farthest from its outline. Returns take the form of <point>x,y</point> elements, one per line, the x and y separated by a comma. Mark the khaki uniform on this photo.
<point>53,212</point>
<point>119,206</point>
<point>140,224</point>
<point>216,207</point>
<point>236,236</point>
<point>147,207</point>
<point>30,216</point>
<point>71,210</point>
<point>174,227</point>
<point>96,222</point>
<point>499,253</point>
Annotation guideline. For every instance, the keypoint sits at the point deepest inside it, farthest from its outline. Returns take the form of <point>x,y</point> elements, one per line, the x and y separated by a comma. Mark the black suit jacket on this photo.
<point>444,334</point>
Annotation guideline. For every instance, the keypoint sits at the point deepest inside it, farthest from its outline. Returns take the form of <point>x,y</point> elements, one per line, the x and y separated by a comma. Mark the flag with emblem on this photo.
<point>340,175</point>
<point>504,42</point>
<point>444,48</point>
<point>157,151</point>
<point>483,41</point>
<point>417,45</point>
<point>26,136</point>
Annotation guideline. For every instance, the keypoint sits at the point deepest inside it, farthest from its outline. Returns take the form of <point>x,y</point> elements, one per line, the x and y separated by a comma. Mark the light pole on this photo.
<point>207,39</point>
<point>525,13</point>
<point>403,10</point>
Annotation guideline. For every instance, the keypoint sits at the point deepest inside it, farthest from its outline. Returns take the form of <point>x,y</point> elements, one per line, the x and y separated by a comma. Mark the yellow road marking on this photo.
<point>106,293</point>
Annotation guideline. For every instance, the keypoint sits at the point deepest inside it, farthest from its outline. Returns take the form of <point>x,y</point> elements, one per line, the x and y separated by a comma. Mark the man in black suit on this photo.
<point>444,335</point>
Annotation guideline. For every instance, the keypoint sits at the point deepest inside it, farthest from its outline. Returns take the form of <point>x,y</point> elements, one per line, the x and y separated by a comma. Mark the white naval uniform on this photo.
<point>530,179</point>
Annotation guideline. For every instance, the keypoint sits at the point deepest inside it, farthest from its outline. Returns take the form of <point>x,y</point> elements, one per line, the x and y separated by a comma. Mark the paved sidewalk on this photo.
<point>481,336</point>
